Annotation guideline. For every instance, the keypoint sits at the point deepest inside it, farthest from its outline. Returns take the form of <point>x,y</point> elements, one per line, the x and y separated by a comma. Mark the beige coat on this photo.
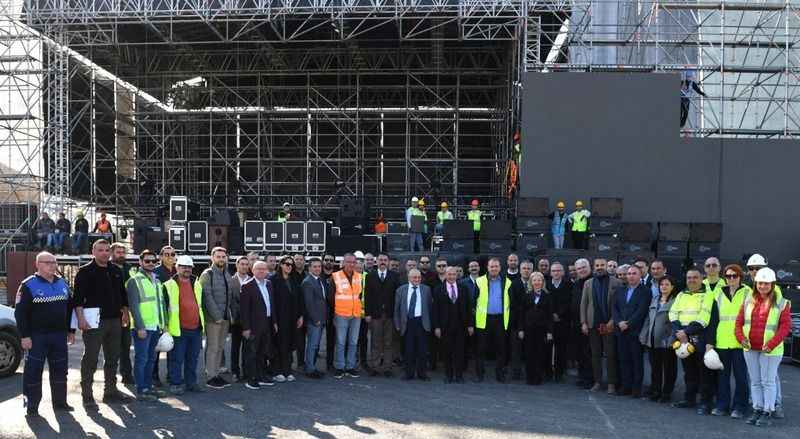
<point>587,301</point>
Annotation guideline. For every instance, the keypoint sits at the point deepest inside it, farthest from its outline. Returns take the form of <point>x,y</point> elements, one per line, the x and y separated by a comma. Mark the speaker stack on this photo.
<point>637,241</point>
<point>704,241</point>
<point>148,234</point>
<point>672,246</point>
<point>496,237</point>
<point>533,226</point>
<point>458,237</point>
<point>605,226</point>
<point>181,213</point>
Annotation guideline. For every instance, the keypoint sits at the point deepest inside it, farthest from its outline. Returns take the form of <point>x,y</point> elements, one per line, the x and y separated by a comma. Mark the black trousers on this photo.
<point>363,330</point>
<point>105,337</point>
<point>698,379</point>
<point>494,334</point>
<point>560,344</point>
<point>453,344</point>
<point>582,354</point>
<point>50,347</point>
<point>256,349</point>
<point>236,348</point>
<point>663,371</point>
<point>535,342</point>
<point>125,367</point>
<point>684,111</point>
<point>416,347</point>
<point>580,240</point>
<point>330,343</point>
<point>282,358</point>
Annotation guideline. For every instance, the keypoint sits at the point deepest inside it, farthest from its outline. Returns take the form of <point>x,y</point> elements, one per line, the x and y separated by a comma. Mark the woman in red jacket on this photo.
<point>763,322</point>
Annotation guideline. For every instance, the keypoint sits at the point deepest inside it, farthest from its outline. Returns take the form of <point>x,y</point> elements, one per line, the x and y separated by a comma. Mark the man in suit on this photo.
<point>597,322</point>
<point>379,291</point>
<point>560,289</point>
<point>631,303</point>
<point>469,282</point>
<point>316,314</point>
<point>453,320</point>
<point>258,322</point>
<point>413,308</point>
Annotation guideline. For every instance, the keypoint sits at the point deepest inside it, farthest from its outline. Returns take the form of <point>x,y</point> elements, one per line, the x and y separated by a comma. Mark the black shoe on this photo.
<point>338,374</point>
<point>62,407</point>
<point>352,373</point>
<point>241,379</point>
<point>216,383</point>
<point>32,413</point>
<point>460,380</point>
<point>736,414</point>
<point>623,392</point>
<point>683,404</point>
<point>423,377</point>
<point>754,417</point>
<point>765,420</point>
<point>501,377</point>
<point>373,373</point>
<point>654,397</point>
<point>664,399</point>
<point>719,412</point>
<point>702,410</point>
<point>314,375</point>
<point>266,381</point>
<point>516,375</point>
<point>116,397</point>
<point>194,388</point>
<point>408,377</point>
<point>128,379</point>
<point>252,385</point>
<point>388,374</point>
<point>448,380</point>
<point>89,402</point>
<point>157,383</point>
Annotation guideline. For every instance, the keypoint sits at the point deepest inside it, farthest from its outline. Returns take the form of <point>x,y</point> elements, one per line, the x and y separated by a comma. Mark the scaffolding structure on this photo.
<point>252,103</point>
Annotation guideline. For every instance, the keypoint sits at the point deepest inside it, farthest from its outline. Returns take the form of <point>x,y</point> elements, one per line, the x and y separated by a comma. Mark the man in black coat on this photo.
<point>560,289</point>
<point>379,292</point>
<point>631,303</point>
<point>580,341</point>
<point>453,320</point>
<point>257,315</point>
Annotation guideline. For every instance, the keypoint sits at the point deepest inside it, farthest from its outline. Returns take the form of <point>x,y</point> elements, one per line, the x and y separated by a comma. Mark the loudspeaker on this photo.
<point>566,256</point>
<point>455,259</point>
<point>182,210</point>
<point>533,207</point>
<point>218,237</point>
<point>458,229</point>
<point>490,245</point>
<point>340,245</point>
<point>673,231</point>
<point>603,245</point>
<point>531,244</point>
<point>605,225</point>
<point>635,247</point>
<point>295,237</point>
<point>254,236</point>
<point>456,245</point>
<point>540,224</point>
<point>607,207</point>
<point>274,236</point>
<point>705,232</point>
<point>787,274</point>
<point>177,238</point>
<point>703,250</point>
<point>396,243</point>
<point>225,217</point>
<point>637,232</point>
<point>197,236</point>
<point>629,258</point>
<point>397,227</point>
<point>316,235</point>
<point>675,249</point>
<point>495,229</point>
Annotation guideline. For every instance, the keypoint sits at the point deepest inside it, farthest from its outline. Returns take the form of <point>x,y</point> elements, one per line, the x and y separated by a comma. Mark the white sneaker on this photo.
<point>290,378</point>
<point>280,378</point>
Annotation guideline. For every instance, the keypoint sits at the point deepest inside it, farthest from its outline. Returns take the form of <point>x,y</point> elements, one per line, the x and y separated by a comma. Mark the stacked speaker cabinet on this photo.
<point>295,236</point>
<point>637,241</point>
<point>704,240</point>
<point>254,236</point>
<point>532,225</point>
<point>218,237</point>
<point>274,236</point>
<point>316,236</point>
<point>495,237</point>
<point>605,226</point>
<point>673,246</point>
<point>177,238</point>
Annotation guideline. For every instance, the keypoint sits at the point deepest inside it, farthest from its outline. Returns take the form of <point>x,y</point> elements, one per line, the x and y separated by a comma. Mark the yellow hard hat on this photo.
<point>579,203</point>
<point>444,205</point>
<point>421,202</point>
<point>560,205</point>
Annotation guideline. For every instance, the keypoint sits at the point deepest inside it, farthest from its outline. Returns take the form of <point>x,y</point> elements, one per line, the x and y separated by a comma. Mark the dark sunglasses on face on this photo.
<point>731,276</point>
<point>712,265</point>
<point>171,255</point>
<point>149,261</point>
<point>441,265</point>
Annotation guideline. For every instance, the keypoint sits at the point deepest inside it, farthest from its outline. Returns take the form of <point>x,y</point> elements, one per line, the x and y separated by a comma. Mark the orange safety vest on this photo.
<point>347,301</point>
<point>103,226</point>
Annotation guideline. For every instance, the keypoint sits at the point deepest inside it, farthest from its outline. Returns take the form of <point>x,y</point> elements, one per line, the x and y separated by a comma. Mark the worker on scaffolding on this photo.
<point>688,87</point>
<point>442,215</point>
<point>415,227</point>
<point>285,214</point>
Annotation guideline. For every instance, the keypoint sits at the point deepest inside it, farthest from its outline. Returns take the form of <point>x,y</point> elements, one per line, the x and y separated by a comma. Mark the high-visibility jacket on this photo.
<point>692,307</point>
<point>442,216</point>
<point>347,297</point>
<point>728,311</point>
<point>482,308</point>
<point>717,289</point>
<point>773,318</point>
<point>580,220</point>
<point>151,306</point>
<point>474,215</point>
<point>174,294</point>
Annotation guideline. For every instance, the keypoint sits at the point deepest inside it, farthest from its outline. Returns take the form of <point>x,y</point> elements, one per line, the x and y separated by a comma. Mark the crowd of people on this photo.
<point>378,317</point>
<point>56,235</point>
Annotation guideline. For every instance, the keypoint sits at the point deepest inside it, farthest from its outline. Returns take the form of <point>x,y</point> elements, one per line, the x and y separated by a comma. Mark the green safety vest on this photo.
<point>442,216</point>
<point>579,221</point>
<point>475,216</point>
<point>773,319</point>
<point>728,311</point>
<point>173,293</point>
<point>482,308</point>
<point>150,302</point>
<point>718,289</point>
<point>691,307</point>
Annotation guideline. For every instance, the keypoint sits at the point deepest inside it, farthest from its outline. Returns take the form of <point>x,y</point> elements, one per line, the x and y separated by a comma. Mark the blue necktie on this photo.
<point>413,305</point>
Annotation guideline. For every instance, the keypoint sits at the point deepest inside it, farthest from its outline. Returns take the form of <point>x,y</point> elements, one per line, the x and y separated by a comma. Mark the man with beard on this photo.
<point>597,322</point>
<point>125,368</point>
<point>220,305</point>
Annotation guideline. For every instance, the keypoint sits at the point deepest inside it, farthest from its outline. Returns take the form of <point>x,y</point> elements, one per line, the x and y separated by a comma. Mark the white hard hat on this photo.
<point>359,254</point>
<point>414,199</point>
<point>712,361</point>
<point>765,275</point>
<point>165,343</point>
<point>756,261</point>
<point>684,350</point>
<point>185,261</point>
<point>286,204</point>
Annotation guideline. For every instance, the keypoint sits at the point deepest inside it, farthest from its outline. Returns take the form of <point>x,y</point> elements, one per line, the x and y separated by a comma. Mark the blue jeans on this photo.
<point>312,345</point>
<point>182,359</point>
<point>763,371</point>
<point>144,359</point>
<point>415,239</point>
<point>733,361</point>
<point>346,331</point>
<point>78,240</point>
<point>55,240</point>
<point>52,348</point>
<point>439,228</point>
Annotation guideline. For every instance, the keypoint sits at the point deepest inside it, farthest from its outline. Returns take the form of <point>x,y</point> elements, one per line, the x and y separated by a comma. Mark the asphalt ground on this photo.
<point>381,407</point>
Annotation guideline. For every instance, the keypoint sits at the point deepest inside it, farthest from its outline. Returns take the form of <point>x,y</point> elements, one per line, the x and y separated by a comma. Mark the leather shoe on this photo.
<point>62,407</point>
<point>683,404</point>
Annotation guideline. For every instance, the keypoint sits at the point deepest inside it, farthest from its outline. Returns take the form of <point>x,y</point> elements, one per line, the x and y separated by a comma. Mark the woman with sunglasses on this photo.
<point>656,335</point>
<point>721,337</point>
<point>289,315</point>
<point>763,322</point>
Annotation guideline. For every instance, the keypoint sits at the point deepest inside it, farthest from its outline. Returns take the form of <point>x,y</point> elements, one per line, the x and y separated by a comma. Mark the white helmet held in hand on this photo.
<point>684,350</point>
<point>165,343</point>
<point>712,361</point>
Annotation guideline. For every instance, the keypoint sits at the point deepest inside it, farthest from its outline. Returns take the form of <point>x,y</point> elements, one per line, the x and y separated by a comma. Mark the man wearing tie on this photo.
<point>258,325</point>
<point>379,292</point>
<point>316,314</point>
<point>412,318</point>
<point>631,304</point>
<point>453,320</point>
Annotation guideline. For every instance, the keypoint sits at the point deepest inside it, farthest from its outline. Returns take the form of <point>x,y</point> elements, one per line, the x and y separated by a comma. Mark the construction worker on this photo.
<point>558,223</point>
<point>713,281</point>
<point>474,215</point>
<point>442,215</point>
<point>580,226</point>
<point>285,214</point>
<point>690,315</point>
<point>414,237</point>
<point>185,323</point>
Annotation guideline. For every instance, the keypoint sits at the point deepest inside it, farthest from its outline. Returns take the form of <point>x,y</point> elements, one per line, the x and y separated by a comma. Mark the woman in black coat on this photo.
<point>290,317</point>
<point>535,326</point>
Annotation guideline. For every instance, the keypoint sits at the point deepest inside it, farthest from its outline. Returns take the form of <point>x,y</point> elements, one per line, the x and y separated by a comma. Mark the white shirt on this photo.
<point>418,306</point>
<point>382,274</point>
<point>242,279</point>
<point>556,283</point>
<point>262,287</point>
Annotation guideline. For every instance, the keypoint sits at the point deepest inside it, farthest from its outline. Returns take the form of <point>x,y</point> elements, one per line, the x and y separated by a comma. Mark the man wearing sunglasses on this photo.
<point>146,304</point>
<point>164,272</point>
<point>328,267</point>
<point>713,281</point>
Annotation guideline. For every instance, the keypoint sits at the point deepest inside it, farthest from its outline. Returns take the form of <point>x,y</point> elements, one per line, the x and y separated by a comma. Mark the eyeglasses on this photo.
<point>149,261</point>
<point>172,255</point>
<point>288,264</point>
<point>731,276</point>
<point>441,265</point>
<point>425,262</point>
<point>328,260</point>
<point>712,265</point>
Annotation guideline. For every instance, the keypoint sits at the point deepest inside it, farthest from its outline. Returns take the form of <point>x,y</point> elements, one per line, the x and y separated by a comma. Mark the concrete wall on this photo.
<point>616,135</point>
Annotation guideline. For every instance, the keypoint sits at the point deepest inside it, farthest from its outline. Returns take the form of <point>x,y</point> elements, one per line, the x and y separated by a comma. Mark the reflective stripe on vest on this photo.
<point>174,318</point>
<point>482,308</point>
<point>475,217</point>
<point>692,307</point>
<point>728,311</point>
<point>773,318</point>
<point>347,296</point>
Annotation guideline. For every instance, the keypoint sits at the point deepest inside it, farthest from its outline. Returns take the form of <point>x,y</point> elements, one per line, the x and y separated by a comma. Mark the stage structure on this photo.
<point>252,103</point>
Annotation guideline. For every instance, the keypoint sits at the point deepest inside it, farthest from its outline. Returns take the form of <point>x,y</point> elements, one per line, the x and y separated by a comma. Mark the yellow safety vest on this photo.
<point>482,308</point>
<point>150,302</point>
<point>773,318</point>
<point>442,216</point>
<point>728,311</point>
<point>717,289</point>
<point>692,307</point>
<point>579,221</point>
<point>475,216</point>
<point>174,294</point>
